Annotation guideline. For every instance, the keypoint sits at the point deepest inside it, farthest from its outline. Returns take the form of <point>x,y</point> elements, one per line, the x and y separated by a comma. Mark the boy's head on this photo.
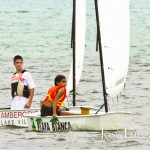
<point>60,80</point>
<point>18,62</point>
<point>17,57</point>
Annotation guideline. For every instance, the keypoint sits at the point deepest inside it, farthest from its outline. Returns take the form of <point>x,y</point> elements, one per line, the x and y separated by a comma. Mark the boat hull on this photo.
<point>16,117</point>
<point>91,122</point>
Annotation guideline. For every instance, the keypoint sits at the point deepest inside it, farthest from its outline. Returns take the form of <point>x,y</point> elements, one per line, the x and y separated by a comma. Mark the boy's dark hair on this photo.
<point>58,79</point>
<point>17,57</point>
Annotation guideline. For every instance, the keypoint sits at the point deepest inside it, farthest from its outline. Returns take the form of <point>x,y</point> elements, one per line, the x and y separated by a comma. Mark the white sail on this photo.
<point>80,28</point>
<point>115,37</point>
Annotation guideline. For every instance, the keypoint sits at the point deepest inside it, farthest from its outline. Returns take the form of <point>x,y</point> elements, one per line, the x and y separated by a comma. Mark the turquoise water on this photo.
<point>40,31</point>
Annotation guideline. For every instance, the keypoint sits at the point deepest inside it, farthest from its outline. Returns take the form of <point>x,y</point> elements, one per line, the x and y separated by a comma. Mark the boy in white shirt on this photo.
<point>22,86</point>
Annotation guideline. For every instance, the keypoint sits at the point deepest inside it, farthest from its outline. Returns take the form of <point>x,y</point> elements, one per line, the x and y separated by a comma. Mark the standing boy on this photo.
<point>22,86</point>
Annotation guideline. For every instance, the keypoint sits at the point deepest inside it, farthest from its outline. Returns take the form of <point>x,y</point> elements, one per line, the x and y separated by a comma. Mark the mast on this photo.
<point>99,45</point>
<point>74,51</point>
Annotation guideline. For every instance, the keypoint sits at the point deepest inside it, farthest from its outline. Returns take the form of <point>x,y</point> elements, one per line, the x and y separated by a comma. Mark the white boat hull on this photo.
<point>91,122</point>
<point>16,117</point>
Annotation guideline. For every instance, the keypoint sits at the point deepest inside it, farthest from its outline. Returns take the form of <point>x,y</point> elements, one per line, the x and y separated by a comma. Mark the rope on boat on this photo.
<point>100,108</point>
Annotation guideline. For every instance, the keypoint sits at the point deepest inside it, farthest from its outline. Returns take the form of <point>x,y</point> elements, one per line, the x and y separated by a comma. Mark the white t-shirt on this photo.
<point>19,102</point>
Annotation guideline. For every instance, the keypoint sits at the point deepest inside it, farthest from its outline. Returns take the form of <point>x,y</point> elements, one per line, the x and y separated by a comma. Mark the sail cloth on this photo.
<point>115,37</point>
<point>80,28</point>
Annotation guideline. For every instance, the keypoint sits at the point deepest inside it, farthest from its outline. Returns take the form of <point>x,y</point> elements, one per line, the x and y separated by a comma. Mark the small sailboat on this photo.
<point>112,17</point>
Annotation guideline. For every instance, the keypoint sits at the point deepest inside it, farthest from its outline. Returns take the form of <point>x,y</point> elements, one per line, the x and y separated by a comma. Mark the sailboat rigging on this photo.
<point>74,53</point>
<point>112,50</point>
<point>98,45</point>
<point>78,45</point>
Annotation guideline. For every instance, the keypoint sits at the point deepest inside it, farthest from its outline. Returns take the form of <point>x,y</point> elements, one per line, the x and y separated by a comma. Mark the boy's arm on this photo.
<point>28,104</point>
<point>59,94</point>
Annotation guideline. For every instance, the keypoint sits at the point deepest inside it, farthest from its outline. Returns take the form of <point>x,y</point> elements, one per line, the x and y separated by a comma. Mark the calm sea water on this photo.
<point>40,31</point>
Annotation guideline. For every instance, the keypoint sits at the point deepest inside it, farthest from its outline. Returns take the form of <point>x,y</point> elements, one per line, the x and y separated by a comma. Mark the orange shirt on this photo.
<point>52,93</point>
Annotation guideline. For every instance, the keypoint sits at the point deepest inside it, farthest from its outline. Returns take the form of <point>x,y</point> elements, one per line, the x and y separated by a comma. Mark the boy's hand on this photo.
<point>54,115</point>
<point>28,104</point>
